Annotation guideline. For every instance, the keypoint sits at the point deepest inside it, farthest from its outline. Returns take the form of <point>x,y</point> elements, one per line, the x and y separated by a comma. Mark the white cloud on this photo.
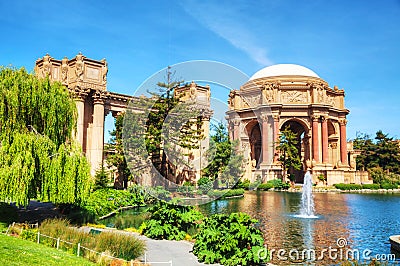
<point>226,20</point>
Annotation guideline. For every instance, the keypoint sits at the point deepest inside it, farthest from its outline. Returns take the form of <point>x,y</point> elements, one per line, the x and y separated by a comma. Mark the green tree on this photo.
<point>163,135</point>
<point>383,152</point>
<point>38,158</point>
<point>101,179</point>
<point>225,164</point>
<point>288,152</point>
<point>115,154</point>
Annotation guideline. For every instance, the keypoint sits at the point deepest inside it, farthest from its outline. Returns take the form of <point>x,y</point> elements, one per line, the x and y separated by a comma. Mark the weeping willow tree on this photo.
<point>37,157</point>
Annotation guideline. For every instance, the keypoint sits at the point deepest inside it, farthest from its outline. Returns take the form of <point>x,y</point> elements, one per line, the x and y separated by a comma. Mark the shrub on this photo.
<point>381,177</point>
<point>121,245</point>
<point>205,184</point>
<point>169,221</point>
<point>233,193</point>
<point>370,186</point>
<point>228,240</point>
<point>389,186</point>
<point>342,186</point>
<point>225,193</point>
<point>159,192</point>
<point>278,184</point>
<point>104,201</point>
<point>186,188</point>
<point>265,186</point>
<point>245,184</point>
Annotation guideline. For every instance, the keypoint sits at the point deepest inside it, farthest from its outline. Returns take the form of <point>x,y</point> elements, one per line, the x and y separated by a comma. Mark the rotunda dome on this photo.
<point>284,70</point>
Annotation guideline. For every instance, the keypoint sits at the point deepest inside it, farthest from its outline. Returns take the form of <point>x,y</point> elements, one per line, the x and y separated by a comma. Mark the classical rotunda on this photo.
<point>295,97</point>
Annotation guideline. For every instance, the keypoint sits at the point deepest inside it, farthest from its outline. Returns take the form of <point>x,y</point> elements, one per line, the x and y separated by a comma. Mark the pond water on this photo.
<point>362,223</point>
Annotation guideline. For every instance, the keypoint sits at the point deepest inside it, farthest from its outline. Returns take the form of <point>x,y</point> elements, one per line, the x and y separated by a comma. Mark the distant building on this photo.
<point>293,96</point>
<point>273,98</point>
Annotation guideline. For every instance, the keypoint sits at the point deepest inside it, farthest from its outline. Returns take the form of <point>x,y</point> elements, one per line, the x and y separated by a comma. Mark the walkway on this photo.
<point>166,251</point>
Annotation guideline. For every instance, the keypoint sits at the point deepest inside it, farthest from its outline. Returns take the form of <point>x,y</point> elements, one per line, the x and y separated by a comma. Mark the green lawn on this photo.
<point>15,251</point>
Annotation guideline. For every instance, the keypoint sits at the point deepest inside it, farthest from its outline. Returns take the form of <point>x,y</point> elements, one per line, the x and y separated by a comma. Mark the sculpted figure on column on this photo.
<point>79,67</point>
<point>64,70</point>
<point>46,65</point>
<point>104,71</point>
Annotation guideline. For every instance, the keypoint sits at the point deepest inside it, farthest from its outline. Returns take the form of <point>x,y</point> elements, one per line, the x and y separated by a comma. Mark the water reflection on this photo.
<point>365,220</point>
<point>282,230</point>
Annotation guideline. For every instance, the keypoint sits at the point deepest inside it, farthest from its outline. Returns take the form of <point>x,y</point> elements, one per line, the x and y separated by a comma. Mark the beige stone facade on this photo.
<point>276,97</point>
<point>292,96</point>
<point>86,79</point>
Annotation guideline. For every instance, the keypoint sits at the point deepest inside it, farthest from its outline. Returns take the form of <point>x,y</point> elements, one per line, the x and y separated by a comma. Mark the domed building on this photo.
<point>293,97</point>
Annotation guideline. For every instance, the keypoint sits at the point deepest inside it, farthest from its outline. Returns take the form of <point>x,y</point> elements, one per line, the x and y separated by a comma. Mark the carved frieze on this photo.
<point>252,100</point>
<point>294,96</point>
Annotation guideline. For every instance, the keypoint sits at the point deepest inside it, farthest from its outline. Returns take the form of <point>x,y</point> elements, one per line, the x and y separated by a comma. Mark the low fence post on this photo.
<point>38,237</point>
<point>58,243</point>
<point>79,249</point>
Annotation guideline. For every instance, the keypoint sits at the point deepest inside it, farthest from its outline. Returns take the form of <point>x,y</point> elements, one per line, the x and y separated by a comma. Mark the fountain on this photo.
<point>307,200</point>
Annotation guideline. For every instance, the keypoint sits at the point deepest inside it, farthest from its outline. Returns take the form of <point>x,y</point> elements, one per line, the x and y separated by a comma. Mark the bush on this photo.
<point>370,186</point>
<point>389,186</point>
<point>382,177</point>
<point>186,188</point>
<point>225,193</point>
<point>342,186</point>
<point>228,240</point>
<point>205,184</point>
<point>104,201</point>
<point>121,245</point>
<point>172,222</point>
<point>265,186</point>
<point>159,192</point>
<point>245,184</point>
<point>233,193</point>
<point>278,184</point>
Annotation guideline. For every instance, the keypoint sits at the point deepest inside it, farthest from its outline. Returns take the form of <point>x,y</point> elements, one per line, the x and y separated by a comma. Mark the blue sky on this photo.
<point>353,44</point>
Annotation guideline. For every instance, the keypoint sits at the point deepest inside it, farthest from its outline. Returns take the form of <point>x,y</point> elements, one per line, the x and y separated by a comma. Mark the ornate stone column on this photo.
<point>97,137</point>
<point>343,142</point>
<point>315,144</point>
<point>324,127</point>
<point>264,139</point>
<point>236,128</point>
<point>276,136</point>
<point>80,98</point>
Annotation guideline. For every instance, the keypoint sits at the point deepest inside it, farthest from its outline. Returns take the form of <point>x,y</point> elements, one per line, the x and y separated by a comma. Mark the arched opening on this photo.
<point>255,144</point>
<point>302,147</point>
<point>333,144</point>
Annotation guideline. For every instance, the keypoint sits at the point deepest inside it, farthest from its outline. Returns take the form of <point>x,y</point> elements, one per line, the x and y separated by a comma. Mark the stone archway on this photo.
<point>303,146</point>
<point>255,144</point>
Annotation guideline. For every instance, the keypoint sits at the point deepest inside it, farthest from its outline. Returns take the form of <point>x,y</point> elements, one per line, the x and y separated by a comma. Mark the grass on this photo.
<point>16,251</point>
<point>119,245</point>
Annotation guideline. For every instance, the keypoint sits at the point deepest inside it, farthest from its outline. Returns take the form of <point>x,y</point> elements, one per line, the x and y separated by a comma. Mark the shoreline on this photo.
<point>358,191</point>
